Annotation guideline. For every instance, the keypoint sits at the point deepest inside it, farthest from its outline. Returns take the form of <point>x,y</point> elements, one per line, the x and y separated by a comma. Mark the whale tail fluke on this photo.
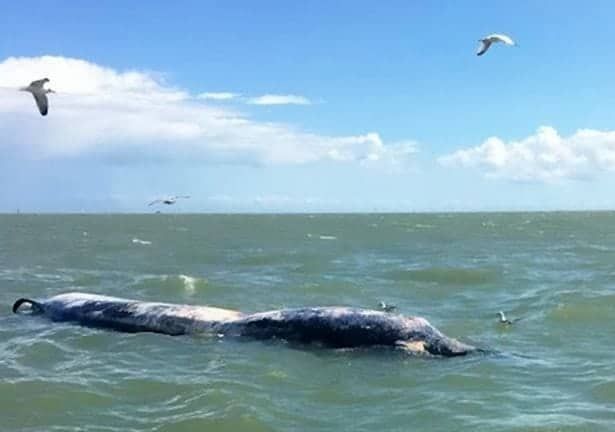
<point>35,306</point>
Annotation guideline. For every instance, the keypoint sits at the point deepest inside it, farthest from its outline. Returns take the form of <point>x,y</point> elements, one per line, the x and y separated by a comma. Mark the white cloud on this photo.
<point>135,116</point>
<point>268,99</point>
<point>272,99</point>
<point>218,96</point>
<point>545,156</point>
<point>392,154</point>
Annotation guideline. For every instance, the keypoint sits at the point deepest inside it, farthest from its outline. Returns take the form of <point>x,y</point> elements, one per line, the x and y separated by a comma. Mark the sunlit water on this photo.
<point>555,370</point>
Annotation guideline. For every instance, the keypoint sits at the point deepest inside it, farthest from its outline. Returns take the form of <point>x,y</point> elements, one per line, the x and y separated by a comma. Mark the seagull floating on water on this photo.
<point>504,320</point>
<point>486,42</point>
<point>386,307</point>
<point>40,94</point>
<point>168,201</point>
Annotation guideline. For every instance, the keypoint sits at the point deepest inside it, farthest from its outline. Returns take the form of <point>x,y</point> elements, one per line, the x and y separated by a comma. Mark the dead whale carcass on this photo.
<point>336,327</point>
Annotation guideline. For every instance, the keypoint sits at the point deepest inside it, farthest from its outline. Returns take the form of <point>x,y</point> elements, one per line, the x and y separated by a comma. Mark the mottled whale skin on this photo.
<point>335,327</point>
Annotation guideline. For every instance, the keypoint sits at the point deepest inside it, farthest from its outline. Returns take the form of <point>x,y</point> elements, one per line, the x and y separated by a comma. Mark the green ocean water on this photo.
<point>555,370</point>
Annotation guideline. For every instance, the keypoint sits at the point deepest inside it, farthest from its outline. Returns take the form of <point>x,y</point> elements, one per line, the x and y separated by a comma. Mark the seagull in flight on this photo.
<point>40,94</point>
<point>486,42</point>
<point>169,200</point>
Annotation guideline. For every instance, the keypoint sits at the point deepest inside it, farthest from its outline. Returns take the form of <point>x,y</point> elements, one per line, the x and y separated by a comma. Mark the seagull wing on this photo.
<point>39,83</point>
<point>502,38</point>
<point>41,102</point>
<point>154,202</point>
<point>484,46</point>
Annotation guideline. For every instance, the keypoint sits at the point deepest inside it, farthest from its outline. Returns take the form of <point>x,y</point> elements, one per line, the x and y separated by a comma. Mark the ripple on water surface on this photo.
<point>444,275</point>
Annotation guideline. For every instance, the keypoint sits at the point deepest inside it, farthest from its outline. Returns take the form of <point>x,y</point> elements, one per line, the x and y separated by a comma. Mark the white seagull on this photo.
<point>506,321</point>
<point>40,94</point>
<point>486,42</point>
<point>169,200</point>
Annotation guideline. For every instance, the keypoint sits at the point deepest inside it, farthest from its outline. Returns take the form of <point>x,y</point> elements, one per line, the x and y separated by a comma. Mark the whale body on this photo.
<point>330,326</point>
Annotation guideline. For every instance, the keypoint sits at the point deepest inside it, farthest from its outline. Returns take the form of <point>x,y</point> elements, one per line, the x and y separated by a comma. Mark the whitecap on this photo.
<point>189,282</point>
<point>141,242</point>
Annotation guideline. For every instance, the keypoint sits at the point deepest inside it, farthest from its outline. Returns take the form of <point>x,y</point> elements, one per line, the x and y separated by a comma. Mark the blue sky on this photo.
<point>396,111</point>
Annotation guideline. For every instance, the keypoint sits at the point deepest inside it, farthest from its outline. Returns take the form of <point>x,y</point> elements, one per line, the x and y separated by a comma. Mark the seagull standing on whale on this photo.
<point>386,306</point>
<point>486,42</point>
<point>40,94</point>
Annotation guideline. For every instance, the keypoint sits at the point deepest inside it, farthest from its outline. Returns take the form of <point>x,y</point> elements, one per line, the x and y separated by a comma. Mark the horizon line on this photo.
<point>299,213</point>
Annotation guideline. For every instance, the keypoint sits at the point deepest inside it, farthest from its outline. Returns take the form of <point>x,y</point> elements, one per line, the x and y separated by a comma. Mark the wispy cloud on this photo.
<point>273,99</point>
<point>218,96</point>
<point>134,116</point>
<point>544,156</point>
<point>268,99</point>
